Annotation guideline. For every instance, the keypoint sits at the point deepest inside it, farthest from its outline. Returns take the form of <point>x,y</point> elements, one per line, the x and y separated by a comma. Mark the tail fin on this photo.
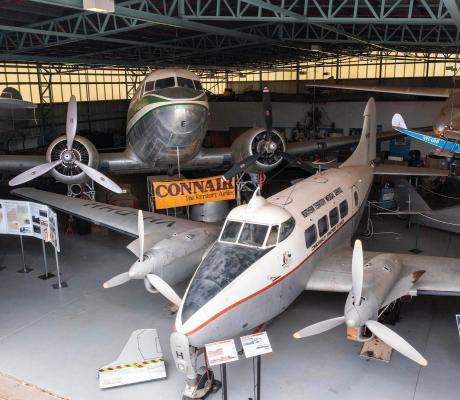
<point>408,199</point>
<point>365,151</point>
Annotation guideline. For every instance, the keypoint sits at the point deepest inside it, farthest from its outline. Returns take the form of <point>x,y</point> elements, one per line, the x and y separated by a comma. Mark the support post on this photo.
<point>46,275</point>
<point>223,372</point>
<point>259,366</point>
<point>24,269</point>
<point>60,284</point>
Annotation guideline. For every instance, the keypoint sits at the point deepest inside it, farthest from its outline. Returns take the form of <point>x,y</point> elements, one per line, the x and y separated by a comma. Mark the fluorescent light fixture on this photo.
<point>102,6</point>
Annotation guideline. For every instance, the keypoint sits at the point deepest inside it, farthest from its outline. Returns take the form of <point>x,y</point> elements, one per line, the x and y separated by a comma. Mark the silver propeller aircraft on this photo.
<point>410,202</point>
<point>270,250</point>
<point>166,123</point>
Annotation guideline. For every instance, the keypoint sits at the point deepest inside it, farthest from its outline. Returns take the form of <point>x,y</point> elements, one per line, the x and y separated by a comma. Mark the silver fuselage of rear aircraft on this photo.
<point>167,118</point>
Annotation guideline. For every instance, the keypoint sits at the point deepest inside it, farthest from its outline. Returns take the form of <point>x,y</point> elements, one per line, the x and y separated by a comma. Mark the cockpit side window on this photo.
<point>253,234</point>
<point>184,82</point>
<point>198,85</point>
<point>165,83</point>
<point>231,231</point>
<point>272,236</point>
<point>286,228</point>
<point>149,86</point>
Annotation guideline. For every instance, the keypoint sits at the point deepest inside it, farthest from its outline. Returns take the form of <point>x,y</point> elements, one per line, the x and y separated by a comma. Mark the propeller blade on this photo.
<point>267,105</point>
<point>99,178</point>
<point>71,123</point>
<point>392,339</point>
<point>357,271</point>
<point>117,280</point>
<point>319,327</point>
<point>296,162</point>
<point>241,166</point>
<point>166,290</point>
<point>33,173</point>
<point>140,232</point>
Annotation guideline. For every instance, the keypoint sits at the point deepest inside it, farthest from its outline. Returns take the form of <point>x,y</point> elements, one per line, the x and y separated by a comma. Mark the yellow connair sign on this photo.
<point>192,191</point>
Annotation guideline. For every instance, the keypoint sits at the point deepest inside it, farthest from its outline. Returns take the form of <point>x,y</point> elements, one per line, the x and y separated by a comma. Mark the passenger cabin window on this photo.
<point>334,217</point>
<point>184,82</point>
<point>198,85</point>
<point>356,199</point>
<point>272,236</point>
<point>149,86</point>
<point>253,234</point>
<point>310,236</point>
<point>165,83</point>
<point>231,231</point>
<point>286,228</point>
<point>343,209</point>
<point>323,225</point>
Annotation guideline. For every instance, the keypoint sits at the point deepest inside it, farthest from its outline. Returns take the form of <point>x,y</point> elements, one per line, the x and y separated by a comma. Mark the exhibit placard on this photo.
<point>221,352</point>
<point>26,218</point>
<point>178,193</point>
<point>256,344</point>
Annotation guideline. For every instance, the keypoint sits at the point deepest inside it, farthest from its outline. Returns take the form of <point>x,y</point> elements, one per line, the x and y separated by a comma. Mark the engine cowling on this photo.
<point>256,140</point>
<point>82,150</point>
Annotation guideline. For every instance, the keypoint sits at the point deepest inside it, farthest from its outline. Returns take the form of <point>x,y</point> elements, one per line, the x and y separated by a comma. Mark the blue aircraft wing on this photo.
<point>435,141</point>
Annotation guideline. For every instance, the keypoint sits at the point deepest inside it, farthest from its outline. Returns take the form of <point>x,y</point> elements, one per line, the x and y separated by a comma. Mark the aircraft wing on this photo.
<point>313,146</point>
<point>121,219</point>
<point>442,276</point>
<point>416,91</point>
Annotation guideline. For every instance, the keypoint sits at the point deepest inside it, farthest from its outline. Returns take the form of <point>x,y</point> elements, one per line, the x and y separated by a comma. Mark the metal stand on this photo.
<point>416,250</point>
<point>60,284</point>
<point>46,275</point>
<point>223,374</point>
<point>259,367</point>
<point>25,269</point>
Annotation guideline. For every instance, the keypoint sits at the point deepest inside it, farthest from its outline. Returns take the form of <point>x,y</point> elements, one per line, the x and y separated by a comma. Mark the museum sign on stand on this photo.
<point>25,218</point>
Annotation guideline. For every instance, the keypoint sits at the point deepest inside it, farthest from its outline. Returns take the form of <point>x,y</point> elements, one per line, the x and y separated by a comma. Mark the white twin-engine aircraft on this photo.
<point>270,250</point>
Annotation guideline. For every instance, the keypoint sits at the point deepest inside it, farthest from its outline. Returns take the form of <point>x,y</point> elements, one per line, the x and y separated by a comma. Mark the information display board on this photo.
<point>256,344</point>
<point>29,219</point>
<point>221,352</point>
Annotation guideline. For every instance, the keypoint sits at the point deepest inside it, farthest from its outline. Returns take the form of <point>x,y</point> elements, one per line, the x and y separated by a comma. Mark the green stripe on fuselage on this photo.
<point>150,99</point>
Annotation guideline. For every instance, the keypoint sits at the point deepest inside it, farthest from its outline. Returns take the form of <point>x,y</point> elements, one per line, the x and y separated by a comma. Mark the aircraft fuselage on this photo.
<point>234,291</point>
<point>167,118</point>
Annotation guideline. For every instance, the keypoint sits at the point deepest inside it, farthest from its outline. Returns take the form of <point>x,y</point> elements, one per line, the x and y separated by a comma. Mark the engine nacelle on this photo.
<point>82,150</point>
<point>256,140</point>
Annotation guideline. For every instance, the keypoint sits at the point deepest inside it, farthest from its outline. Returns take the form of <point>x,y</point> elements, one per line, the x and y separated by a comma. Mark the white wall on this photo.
<point>346,115</point>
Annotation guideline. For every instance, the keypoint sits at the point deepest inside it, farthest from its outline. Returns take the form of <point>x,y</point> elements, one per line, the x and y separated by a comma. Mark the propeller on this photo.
<point>139,268</point>
<point>117,280</point>
<point>166,290</point>
<point>384,333</point>
<point>68,157</point>
<point>268,148</point>
<point>357,271</point>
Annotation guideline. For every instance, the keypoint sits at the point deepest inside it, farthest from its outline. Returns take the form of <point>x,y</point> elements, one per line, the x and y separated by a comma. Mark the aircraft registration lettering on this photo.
<point>124,213</point>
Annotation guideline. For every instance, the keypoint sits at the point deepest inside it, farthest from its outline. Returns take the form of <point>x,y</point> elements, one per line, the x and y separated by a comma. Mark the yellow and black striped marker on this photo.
<point>132,365</point>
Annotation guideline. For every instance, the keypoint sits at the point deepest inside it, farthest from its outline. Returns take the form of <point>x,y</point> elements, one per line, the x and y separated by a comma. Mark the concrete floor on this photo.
<point>57,339</point>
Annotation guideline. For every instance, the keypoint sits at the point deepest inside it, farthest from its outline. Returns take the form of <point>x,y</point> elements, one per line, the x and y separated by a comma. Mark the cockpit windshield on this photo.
<point>255,235</point>
<point>165,83</point>
<point>184,82</point>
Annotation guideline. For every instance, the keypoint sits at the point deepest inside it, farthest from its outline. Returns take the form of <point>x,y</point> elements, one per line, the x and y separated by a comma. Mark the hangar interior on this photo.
<point>85,66</point>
